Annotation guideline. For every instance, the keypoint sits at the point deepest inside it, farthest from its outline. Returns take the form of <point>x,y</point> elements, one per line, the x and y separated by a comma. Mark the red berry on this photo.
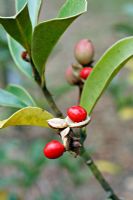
<point>53,149</point>
<point>84,51</point>
<point>25,56</point>
<point>77,113</point>
<point>85,72</point>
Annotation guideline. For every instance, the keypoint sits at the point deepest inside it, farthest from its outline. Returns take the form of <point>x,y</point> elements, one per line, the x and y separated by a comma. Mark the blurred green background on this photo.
<point>24,172</point>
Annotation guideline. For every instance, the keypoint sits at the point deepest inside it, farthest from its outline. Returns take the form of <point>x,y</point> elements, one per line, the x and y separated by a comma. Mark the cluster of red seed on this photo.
<point>84,52</point>
<point>55,149</point>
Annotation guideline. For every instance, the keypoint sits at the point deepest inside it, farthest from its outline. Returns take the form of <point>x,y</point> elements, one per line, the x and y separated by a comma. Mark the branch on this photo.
<point>90,163</point>
<point>45,91</point>
<point>51,102</point>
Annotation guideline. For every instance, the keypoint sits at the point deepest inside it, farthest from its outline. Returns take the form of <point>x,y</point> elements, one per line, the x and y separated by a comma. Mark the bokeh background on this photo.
<point>24,172</point>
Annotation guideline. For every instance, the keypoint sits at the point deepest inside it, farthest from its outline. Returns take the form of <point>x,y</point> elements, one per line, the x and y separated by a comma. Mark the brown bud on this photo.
<point>84,51</point>
<point>76,144</point>
<point>70,77</point>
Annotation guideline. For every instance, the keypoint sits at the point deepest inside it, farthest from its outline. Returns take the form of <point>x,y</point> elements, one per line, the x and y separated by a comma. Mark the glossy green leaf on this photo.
<point>32,116</point>
<point>104,71</point>
<point>4,53</point>
<point>22,94</point>
<point>46,34</point>
<point>19,27</point>
<point>8,99</point>
<point>72,8</point>
<point>19,4</point>
<point>16,49</point>
<point>34,10</point>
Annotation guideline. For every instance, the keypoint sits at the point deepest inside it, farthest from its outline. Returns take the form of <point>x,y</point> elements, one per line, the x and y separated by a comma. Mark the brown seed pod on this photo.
<point>84,51</point>
<point>70,76</point>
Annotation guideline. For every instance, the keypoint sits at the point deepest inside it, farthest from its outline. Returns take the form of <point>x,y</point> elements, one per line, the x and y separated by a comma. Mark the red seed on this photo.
<point>77,113</point>
<point>85,72</point>
<point>24,54</point>
<point>53,149</point>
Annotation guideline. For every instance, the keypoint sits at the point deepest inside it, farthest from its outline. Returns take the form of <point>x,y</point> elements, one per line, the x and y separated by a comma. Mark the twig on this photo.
<point>90,163</point>
<point>45,91</point>
<point>51,102</point>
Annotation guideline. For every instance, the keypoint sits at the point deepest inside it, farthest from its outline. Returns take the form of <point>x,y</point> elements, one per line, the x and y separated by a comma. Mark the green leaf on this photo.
<point>19,27</point>
<point>104,71</point>
<point>22,94</point>
<point>10,100</point>
<point>72,8</point>
<point>20,4</point>
<point>46,34</point>
<point>34,10</point>
<point>33,6</point>
<point>32,116</point>
<point>16,49</point>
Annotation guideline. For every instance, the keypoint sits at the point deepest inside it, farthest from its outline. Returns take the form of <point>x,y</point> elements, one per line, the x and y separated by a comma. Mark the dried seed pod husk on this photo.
<point>75,145</point>
<point>64,136</point>
<point>72,124</point>
<point>76,70</point>
<point>57,123</point>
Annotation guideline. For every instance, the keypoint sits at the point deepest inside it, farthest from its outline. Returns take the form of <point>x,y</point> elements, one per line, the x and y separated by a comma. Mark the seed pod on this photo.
<point>70,77</point>
<point>84,51</point>
<point>65,137</point>
<point>57,123</point>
